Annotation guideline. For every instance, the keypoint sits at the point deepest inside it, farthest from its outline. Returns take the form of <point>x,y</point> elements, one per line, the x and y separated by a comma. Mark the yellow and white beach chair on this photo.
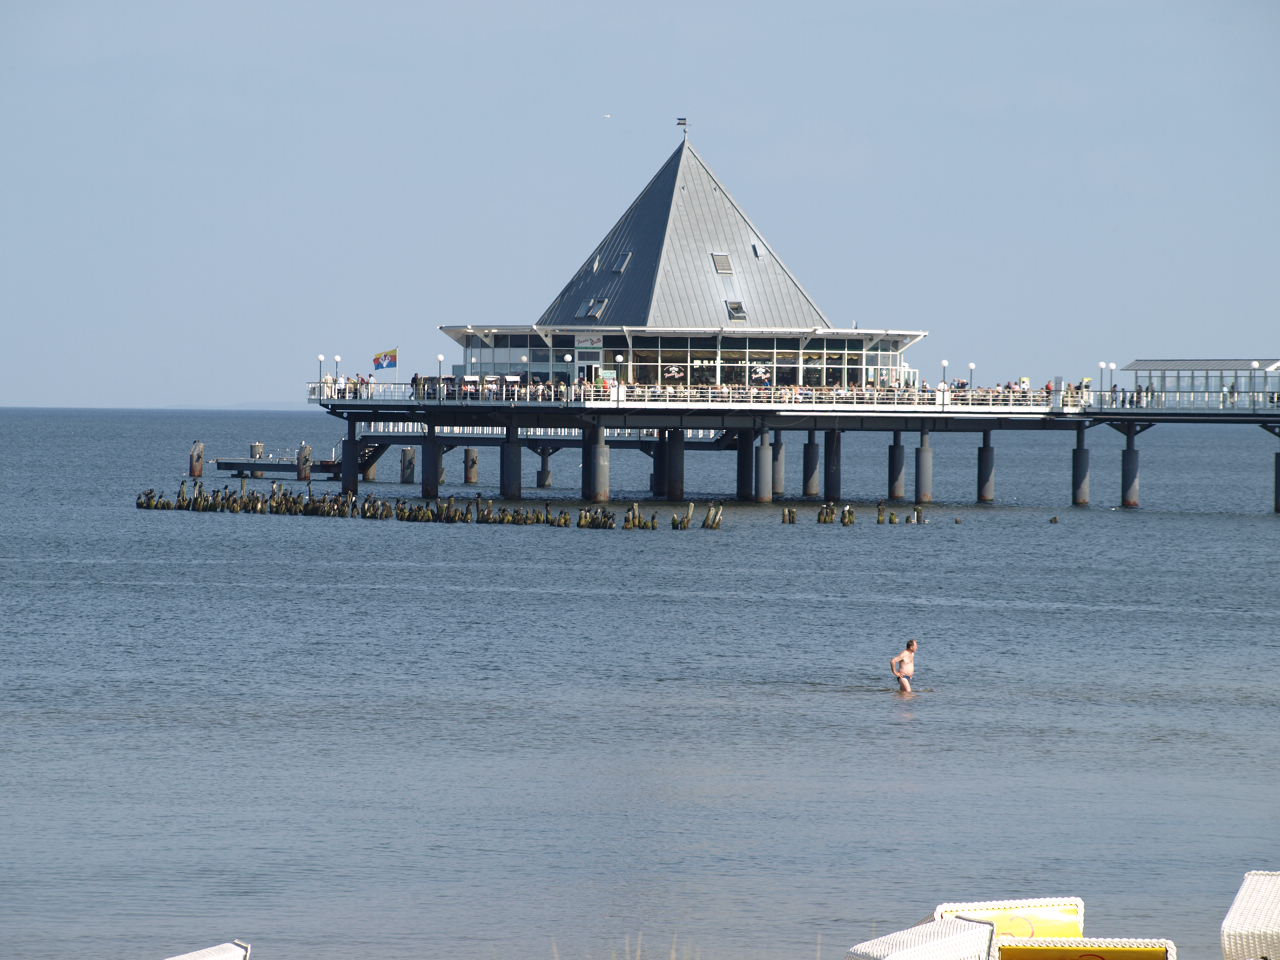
<point>1083,948</point>
<point>1252,925</point>
<point>1042,917</point>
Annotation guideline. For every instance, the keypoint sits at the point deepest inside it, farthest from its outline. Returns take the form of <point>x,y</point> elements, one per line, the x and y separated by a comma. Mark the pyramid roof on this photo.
<point>684,255</point>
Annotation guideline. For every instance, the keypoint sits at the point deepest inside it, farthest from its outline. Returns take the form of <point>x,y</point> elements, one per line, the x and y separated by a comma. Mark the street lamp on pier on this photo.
<point>439,378</point>
<point>320,375</point>
<point>336,360</point>
<point>1253,397</point>
<point>972,367</point>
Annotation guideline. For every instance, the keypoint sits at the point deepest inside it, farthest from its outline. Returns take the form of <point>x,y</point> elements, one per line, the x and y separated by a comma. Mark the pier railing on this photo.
<point>976,400</point>
<point>985,399</point>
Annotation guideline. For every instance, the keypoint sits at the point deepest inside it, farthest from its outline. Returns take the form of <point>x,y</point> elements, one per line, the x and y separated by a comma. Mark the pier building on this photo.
<point>683,329</point>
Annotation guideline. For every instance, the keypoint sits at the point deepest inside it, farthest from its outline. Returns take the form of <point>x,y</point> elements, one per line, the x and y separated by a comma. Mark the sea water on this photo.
<point>336,738</point>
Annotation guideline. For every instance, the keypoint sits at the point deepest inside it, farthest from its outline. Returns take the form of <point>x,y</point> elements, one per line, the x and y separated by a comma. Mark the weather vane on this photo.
<point>683,122</point>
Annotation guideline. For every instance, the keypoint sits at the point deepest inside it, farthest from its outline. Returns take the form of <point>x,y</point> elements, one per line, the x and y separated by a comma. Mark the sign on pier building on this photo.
<point>684,290</point>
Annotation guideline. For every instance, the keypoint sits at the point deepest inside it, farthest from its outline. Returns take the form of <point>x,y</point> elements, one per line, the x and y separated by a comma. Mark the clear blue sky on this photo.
<point>200,197</point>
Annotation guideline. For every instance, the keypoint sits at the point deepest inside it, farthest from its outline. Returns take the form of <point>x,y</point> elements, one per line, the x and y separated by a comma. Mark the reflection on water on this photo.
<point>400,740</point>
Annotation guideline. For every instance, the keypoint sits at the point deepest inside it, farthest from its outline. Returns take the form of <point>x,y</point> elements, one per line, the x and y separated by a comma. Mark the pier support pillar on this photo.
<point>304,462</point>
<point>779,464</point>
<point>509,466</point>
<point>832,454</point>
<point>1277,486</point>
<point>544,471</point>
<point>350,460</point>
<point>470,465</point>
<point>255,453</point>
<point>1080,471</point>
<point>897,468</point>
<point>1129,471</point>
<point>432,465</point>
<point>595,465</point>
<point>195,463</point>
<point>764,469</point>
<point>746,463</point>
<point>408,464</point>
<point>812,481</point>
<point>675,464</point>
<point>986,470</point>
<point>924,469</point>
<point>658,479</point>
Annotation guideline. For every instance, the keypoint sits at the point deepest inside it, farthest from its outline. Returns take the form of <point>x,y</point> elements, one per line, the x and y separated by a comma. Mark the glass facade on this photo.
<point>834,361</point>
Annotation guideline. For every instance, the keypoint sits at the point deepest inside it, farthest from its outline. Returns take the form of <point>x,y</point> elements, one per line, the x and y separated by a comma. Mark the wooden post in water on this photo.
<point>195,464</point>
<point>304,462</point>
<point>255,453</point>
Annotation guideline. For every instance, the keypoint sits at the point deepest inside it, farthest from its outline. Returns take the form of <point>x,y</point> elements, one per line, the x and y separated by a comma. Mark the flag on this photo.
<point>385,359</point>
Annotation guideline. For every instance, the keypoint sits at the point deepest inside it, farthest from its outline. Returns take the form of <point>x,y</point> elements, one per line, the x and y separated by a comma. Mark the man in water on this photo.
<point>904,666</point>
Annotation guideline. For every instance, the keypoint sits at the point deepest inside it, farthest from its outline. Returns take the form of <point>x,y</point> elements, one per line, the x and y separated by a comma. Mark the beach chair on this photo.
<point>235,950</point>
<point>1083,948</point>
<point>951,938</point>
<point>1043,917</point>
<point>1252,925</point>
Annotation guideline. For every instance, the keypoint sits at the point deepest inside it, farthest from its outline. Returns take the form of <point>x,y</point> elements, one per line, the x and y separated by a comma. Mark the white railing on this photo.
<point>957,400</point>
<point>400,430</point>
<point>699,396</point>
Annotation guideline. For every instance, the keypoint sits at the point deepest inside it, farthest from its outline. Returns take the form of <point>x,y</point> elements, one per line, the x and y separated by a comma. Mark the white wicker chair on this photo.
<point>1040,917</point>
<point>1073,948</point>
<point>235,950</point>
<point>947,939</point>
<point>1251,929</point>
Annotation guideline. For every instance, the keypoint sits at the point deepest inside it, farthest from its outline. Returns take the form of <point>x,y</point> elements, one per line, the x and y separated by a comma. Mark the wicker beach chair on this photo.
<point>951,938</point>
<point>1252,926</point>
<point>1076,948</point>
<point>1041,917</point>
<point>235,950</point>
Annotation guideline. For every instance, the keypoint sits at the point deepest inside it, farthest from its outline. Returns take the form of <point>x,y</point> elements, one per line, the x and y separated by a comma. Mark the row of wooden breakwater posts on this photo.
<point>286,502</point>
<point>281,501</point>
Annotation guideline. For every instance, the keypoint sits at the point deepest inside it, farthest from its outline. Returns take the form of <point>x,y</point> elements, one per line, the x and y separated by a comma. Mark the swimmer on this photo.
<point>904,666</point>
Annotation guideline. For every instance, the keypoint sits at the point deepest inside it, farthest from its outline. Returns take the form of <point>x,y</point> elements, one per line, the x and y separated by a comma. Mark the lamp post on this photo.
<point>942,384</point>
<point>336,360</point>
<point>1102,377</point>
<point>1253,397</point>
<point>972,367</point>
<point>439,378</point>
<point>1112,367</point>
<point>320,375</point>
<point>524,372</point>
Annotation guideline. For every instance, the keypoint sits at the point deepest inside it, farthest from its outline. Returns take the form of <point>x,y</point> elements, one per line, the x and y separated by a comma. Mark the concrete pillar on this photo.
<point>1129,471</point>
<point>658,479</point>
<point>924,469</point>
<point>350,460</point>
<point>897,468</point>
<point>304,462</point>
<point>986,470</point>
<point>675,464</point>
<point>1277,485</point>
<point>1080,471</point>
<point>764,469</point>
<point>255,453</point>
<point>812,481</point>
<point>432,469</point>
<point>371,471</point>
<point>544,471</point>
<point>746,465</point>
<point>408,464</point>
<point>509,465</point>
<point>596,452</point>
<point>831,455</point>
<point>470,465</point>
<point>195,463</point>
<point>779,464</point>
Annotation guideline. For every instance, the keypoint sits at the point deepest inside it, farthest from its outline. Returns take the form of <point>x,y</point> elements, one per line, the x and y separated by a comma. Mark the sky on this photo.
<point>199,198</point>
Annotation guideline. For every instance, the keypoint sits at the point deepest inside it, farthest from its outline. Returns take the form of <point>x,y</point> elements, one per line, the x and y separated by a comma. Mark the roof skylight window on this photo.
<point>736,310</point>
<point>597,307</point>
<point>620,265</point>
<point>583,309</point>
<point>722,264</point>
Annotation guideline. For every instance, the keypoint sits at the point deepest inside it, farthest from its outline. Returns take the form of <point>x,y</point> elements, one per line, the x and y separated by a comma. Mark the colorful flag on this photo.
<point>385,359</point>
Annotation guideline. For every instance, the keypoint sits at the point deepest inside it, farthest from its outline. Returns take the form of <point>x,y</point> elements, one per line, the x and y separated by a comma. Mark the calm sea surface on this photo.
<point>349,738</point>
